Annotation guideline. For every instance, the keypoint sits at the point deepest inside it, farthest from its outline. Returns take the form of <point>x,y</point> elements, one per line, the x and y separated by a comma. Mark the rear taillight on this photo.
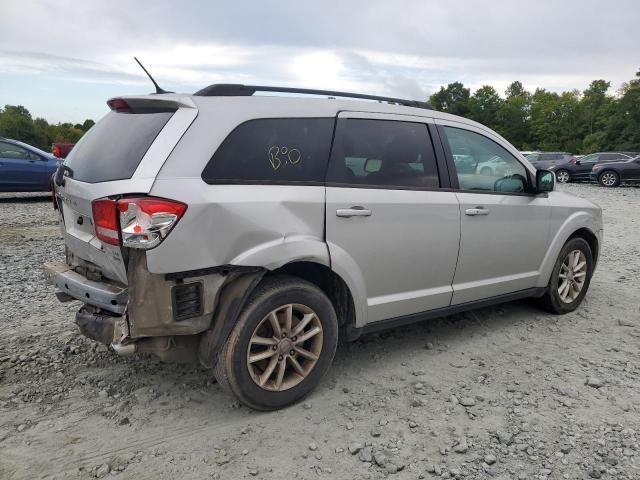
<point>105,220</point>
<point>56,151</point>
<point>136,222</point>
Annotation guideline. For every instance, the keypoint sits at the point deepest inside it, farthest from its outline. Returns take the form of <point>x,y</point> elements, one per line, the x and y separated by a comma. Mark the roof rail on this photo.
<point>239,90</point>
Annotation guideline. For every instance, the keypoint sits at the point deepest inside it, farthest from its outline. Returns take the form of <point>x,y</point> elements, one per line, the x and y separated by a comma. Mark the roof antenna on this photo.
<point>158,89</point>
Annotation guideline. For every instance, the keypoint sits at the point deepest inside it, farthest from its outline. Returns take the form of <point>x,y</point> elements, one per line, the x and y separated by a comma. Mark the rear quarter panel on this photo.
<point>251,225</point>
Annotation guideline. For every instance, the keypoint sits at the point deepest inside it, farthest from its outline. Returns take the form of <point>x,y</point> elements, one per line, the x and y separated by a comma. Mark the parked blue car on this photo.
<point>24,168</point>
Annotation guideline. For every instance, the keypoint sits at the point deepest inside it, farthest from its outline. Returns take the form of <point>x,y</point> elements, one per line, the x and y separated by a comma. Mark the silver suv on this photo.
<point>250,232</point>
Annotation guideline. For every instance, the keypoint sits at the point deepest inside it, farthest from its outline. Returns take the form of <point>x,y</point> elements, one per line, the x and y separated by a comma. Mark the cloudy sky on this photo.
<point>62,59</point>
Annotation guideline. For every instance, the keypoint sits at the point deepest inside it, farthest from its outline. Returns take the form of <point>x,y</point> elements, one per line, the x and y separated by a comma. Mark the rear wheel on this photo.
<point>282,345</point>
<point>563,176</point>
<point>609,178</point>
<point>570,277</point>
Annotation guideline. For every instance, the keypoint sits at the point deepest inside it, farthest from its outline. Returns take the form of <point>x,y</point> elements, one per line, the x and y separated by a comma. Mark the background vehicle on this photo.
<point>614,173</point>
<point>494,166</point>
<point>24,168</point>
<point>546,160</point>
<point>61,150</point>
<point>250,232</point>
<point>580,170</point>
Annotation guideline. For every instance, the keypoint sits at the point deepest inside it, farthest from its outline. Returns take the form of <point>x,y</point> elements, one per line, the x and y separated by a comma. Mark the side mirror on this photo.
<point>545,180</point>
<point>578,162</point>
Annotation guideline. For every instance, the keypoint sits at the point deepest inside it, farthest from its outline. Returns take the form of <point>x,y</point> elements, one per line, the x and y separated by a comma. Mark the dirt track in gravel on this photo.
<point>495,393</point>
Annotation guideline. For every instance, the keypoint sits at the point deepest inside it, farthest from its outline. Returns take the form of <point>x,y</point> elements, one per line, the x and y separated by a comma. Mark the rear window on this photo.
<point>273,150</point>
<point>114,147</point>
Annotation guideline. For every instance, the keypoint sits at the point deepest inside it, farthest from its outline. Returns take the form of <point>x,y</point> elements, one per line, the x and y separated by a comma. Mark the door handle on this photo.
<point>353,212</point>
<point>476,211</point>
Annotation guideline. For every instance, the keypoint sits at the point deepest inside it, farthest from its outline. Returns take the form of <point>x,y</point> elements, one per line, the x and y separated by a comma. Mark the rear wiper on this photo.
<point>62,172</point>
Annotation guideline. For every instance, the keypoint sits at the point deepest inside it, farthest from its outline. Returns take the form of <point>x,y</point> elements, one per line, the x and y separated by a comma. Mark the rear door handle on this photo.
<point>476,211</point>
<point>353,212</point>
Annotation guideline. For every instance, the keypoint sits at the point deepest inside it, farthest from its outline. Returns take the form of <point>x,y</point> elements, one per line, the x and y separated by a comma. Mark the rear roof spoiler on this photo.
<point>150,103</point>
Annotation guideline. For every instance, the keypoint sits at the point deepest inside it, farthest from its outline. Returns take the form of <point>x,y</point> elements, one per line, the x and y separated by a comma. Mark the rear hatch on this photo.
<point>120,155</point>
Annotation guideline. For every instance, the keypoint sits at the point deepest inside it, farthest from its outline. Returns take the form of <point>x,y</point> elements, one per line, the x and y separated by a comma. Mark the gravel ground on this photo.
<point>506,392</point>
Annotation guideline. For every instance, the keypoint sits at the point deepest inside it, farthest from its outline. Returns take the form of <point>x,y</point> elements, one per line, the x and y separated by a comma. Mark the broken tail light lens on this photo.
<point>136,222</point>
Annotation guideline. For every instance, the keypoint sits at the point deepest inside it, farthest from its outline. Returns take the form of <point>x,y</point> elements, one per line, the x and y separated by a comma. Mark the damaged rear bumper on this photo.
<point>106,296</point>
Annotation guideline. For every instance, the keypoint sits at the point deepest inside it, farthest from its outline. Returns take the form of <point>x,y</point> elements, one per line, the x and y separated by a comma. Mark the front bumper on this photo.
<point>106,296</point>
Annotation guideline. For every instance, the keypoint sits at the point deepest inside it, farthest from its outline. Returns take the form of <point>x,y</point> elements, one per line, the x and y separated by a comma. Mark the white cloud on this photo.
<point>407,48</point>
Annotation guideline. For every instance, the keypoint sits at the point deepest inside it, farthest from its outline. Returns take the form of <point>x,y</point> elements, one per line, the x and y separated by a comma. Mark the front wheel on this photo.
<point>570,277</point>
<point>563,176</point>
<point>609,179</point>
<point>282,345</point>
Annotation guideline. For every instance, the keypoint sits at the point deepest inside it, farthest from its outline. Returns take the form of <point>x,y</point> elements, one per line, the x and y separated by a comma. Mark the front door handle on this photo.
<point>353,212</point>
<point>476,211</point>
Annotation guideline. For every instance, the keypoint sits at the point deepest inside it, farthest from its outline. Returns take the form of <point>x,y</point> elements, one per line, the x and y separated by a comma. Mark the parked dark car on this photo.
<point>24,168</point>
<point>61,150</point>
<point>545,160</point>
<point>615,173</point>
<point>580,170</point>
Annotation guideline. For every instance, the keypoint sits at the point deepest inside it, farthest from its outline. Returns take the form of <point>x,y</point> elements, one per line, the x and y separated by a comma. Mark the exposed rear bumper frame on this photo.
<point>107,296</point>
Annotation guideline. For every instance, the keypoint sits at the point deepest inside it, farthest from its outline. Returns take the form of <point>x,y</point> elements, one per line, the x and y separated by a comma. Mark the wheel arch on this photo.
<point>590,238</point>
<point>580,224</point>
<point>332,284</point>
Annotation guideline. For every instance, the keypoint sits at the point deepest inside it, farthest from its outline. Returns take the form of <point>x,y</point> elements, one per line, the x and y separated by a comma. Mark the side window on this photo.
<point>8,150</point>
<point>482,164</point>
<point>593,158</point>
<point>273,150</point>
<point>547,156</point>
<point>383,153</point>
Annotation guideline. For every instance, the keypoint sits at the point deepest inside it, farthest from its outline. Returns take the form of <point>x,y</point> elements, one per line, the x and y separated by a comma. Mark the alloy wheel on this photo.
<point>572,276</point>
<point>285,347</point>
<point>562,176</point>
<point>608,179</point>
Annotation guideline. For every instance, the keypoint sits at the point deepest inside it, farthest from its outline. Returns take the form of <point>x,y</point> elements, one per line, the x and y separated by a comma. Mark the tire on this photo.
<point>563,176</point>
<point>552,300</point>
<point>609,178</point>
<point>272,297</point>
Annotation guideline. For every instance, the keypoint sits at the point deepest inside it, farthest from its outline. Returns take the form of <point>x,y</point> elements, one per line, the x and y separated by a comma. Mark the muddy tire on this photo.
<point>282,344</point>
<point>570,277</point>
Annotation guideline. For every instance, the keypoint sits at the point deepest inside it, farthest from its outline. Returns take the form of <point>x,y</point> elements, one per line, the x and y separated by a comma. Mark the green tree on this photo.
<point>512,120</point>
<point>484,106</point>
<point>16,122</point>
<point>623,131</point>
<point>87,124</point>
<point>452,99</point>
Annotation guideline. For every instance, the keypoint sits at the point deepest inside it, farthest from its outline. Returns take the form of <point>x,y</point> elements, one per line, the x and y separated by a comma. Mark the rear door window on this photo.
<point>383,153</point>
<point>273,150</point>
<point>115,146</point>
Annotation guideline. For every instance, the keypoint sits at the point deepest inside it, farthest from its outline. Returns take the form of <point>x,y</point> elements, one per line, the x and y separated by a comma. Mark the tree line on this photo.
<point>17,123</point>
<point>575,121</point>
